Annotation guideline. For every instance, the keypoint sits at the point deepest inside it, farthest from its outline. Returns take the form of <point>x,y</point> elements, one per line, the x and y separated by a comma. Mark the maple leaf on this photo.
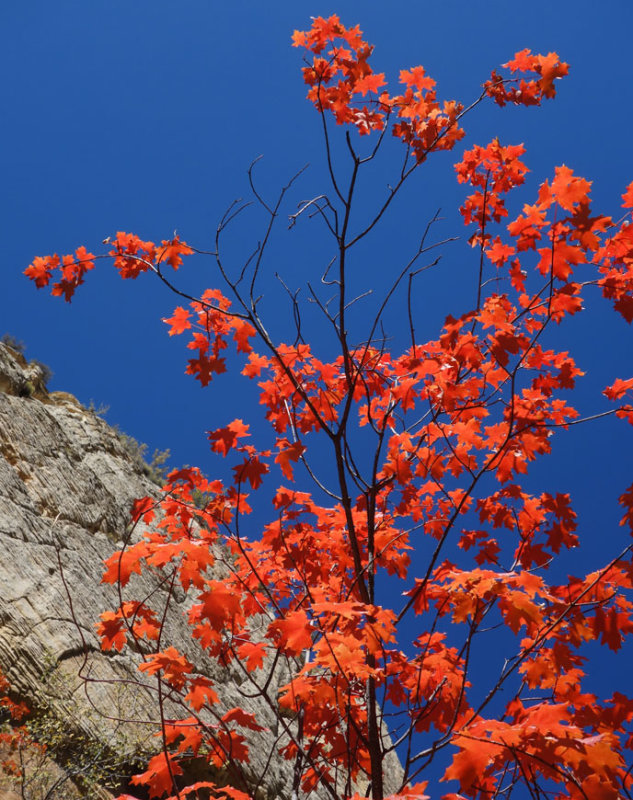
<point>253,654</point>
<point>569,190</point>
<point>187,730</point>
<point>288,452</point>
<point>470,763</point>
<point>224,439</point>
<point>523,61</point>
<point>416,791</point>
<point>618,388</point>
<point>499,253</point>
<point>40,269</point>
<point>121,565</point>
<point>219,604</point>
<point>143,508</point>
<point>293,632</point>
<point>158,775</point>
<point>243,718</point>
<point>179,321</point>
<point>299,39</point>
<point>172,252</point>
<point>83,259</point>
<point>626,500</point>
<point>550,68</point>
<point>370,83</point>
<point>200,693</point>
<point>417,77</point>
<point>111,631</point>
<point>242,332</point>
<point>173,665</point>
<point>612,626</point>
<point>205,367</point>
<point>251,469</point>
<point>627,197</point>
<point>518,610</point>
<point>255,365</point>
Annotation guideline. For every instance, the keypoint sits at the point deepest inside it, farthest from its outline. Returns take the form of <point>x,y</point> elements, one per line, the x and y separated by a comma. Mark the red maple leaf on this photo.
<point>121,565</point>
<point>179,321</point>
<point>200,693</point>
<point>111,631</point>
<point>252,470</point>
<point>569,190</point>
<point>243,718</point>
<point>293,632</point>
<point>253,654</point>
<point>288,452</point>
<point>158,775</point>
<point>172,252</point>
<point>224,439</point>
<point>618,388</point>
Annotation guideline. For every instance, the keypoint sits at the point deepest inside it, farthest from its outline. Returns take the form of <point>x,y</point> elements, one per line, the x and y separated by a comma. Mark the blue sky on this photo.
<point>143,116</point>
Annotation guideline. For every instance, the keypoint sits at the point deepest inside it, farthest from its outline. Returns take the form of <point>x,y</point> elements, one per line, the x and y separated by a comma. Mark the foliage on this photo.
<point>156,468</point>
<point>46,373</point>
<point>15,737</point>
<point>427,454</point>
<point>44,757</point>
<point>13,343</point>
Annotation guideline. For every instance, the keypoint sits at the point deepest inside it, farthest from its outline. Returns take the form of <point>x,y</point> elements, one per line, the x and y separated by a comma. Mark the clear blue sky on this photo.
<point>143,116</point>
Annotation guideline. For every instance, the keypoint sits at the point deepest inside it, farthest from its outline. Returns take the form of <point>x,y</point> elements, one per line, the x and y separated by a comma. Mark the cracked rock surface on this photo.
<point>67,483</point>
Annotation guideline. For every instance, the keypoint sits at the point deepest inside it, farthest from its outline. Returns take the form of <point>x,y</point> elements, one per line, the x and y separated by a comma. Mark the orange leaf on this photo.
<point>179,322</point>
<point>242,718</point>
<point>293,632</point>
<point>470,763</point>
<point>158,775</point>
<point>253,653</point>
<point>618,388</point>
<point>568,190</point>
<point>200,692</point>
<point>252,470</point>
<point>143,507</point>
<point>287,453</point>
<point>171,252</point>
<point>120,565</point>
<point>223,439</point>
<point>111,631</point>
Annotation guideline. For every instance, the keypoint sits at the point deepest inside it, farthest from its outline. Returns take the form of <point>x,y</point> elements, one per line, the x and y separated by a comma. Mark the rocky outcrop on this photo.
<point>67,482</point>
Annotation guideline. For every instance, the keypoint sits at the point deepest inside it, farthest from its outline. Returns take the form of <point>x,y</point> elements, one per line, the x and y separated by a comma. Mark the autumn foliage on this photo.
<point>428,449</point>
<point>14,735</point>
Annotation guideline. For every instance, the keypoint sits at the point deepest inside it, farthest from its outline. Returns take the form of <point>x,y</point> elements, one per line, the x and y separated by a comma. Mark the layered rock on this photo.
<point>67,482</point>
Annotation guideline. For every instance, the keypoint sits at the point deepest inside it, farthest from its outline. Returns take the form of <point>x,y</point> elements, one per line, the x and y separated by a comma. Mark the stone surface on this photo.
<point>67,482</point>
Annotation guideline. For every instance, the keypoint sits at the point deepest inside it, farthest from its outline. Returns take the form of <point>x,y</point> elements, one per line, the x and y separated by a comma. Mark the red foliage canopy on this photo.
<point>451,426</point>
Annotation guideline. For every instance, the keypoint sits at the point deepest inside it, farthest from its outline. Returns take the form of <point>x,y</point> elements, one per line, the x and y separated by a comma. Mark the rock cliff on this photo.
<point>67,482</point>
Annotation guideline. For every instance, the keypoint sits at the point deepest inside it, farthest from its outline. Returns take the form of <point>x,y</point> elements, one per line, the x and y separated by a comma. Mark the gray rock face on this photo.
<point>67,483</point>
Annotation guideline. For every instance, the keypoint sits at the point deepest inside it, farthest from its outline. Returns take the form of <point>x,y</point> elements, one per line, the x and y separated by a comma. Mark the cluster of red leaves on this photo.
<point>518,90</point>
<point>458,421</point>
<point>72,269</point>
<point>14,735</point>
<point>571,238</point>
<point>318,602</point>
<point>131,257</point>
<point>211,323</point>
<point>494,170</point>
<point>341,78</point>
